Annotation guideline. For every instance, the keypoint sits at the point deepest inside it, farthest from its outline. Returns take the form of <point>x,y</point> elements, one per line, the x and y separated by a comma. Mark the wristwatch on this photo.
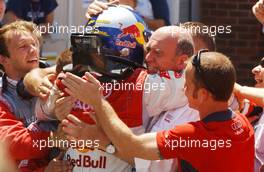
<point>110,149</point>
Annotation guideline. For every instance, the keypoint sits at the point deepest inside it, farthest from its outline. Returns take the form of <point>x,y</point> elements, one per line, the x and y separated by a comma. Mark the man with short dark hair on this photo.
<point>220,137</point>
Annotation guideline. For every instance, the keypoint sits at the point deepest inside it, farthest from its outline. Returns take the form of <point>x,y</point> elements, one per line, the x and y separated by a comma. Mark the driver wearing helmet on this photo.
<point>119,59</point>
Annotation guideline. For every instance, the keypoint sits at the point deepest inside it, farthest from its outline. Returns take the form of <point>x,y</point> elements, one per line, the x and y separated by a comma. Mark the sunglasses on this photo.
<point>196,62</point>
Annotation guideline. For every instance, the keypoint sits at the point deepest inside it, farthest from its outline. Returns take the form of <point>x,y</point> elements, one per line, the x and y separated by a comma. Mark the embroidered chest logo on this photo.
<point>237,127</point>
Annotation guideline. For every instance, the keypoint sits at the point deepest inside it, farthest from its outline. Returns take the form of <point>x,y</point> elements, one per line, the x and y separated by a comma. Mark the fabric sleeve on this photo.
<point>21,140</point>
<point>176,143</point>
<point>161,10</point>
<point>41,112</point>
<point>142,164</point>
<point>45,109</point>
<point>163,92</point>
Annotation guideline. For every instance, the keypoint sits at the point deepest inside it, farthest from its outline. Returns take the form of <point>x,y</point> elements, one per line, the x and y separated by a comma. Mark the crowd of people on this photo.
<point>197,119</point>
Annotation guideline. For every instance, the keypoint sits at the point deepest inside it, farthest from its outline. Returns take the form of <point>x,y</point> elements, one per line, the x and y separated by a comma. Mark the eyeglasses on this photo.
<point>196,62</point>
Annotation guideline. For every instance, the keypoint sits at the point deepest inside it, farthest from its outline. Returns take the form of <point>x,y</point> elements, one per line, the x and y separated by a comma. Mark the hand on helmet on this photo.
<point>97,7</point>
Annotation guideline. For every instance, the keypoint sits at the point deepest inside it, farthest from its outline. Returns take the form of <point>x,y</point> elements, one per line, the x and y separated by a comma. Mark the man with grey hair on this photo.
<point>179,115</point>
<point>173,44</point>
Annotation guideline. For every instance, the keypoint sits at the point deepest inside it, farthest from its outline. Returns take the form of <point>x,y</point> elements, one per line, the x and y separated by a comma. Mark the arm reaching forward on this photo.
<point>143,146</point>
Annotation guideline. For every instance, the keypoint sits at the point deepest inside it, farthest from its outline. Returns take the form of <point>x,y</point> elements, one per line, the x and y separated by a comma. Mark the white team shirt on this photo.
<point>169,96</point>
<point>166,121</point>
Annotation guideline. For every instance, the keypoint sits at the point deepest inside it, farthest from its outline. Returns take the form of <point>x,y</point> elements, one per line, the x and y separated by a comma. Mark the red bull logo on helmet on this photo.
<point>135,31</point>
<point>132,30</point>
<point>127,44</point>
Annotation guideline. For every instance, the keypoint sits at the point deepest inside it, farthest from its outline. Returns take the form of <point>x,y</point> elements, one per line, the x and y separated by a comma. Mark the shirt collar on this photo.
<point>11,81</point>
<point>219,116</point>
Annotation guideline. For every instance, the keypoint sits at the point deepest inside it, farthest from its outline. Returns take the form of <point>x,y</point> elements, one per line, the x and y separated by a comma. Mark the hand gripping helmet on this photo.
<point>116,45</point>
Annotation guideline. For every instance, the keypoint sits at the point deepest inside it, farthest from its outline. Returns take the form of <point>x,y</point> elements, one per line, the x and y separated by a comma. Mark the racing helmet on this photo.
<point>115,47</point>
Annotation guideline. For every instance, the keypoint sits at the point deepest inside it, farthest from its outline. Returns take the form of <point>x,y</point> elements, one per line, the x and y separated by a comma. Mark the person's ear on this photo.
<point>203,95</point>
<point>183,58</point>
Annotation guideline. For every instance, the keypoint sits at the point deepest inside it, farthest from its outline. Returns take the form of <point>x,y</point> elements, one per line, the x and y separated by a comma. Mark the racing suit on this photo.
<point>153,95</point>
<point>19,128</point>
